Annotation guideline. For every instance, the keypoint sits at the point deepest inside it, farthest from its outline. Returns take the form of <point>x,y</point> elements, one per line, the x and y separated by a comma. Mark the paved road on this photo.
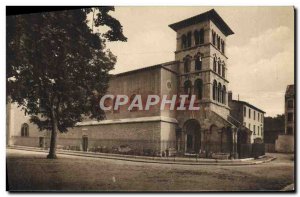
<point>28,170</point>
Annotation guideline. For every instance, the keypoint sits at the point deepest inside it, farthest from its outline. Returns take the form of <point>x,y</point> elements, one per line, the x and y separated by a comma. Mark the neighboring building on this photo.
<point>290,110</point>
<point>285,143</point>
<point>274,126</point>
<point>250,116</point>
<point>200,68</point>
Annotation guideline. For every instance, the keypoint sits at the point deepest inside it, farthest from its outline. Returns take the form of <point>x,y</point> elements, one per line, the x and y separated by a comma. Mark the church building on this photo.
<point>199,68</point>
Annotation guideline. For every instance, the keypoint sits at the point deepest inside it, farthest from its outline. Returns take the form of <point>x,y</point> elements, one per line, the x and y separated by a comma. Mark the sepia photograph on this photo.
<point>150,99</point>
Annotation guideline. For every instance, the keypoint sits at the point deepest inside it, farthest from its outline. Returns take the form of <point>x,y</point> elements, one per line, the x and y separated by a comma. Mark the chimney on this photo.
<point>229,96</point>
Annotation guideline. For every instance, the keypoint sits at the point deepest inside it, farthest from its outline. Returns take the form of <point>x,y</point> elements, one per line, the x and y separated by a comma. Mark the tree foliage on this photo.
<point>57,67</point>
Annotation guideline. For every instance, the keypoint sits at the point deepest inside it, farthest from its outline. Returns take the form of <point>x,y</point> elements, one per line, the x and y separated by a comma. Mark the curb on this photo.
<point>152,160</point>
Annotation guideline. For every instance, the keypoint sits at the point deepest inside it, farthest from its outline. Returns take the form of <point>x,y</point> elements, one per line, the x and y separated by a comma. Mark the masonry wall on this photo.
<point>284,144</point>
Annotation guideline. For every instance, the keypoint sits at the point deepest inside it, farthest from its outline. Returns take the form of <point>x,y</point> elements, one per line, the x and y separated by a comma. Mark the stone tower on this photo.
<point>201,51</point>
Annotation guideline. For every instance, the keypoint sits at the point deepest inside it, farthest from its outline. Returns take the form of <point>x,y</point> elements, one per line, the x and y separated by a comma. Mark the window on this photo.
<point>249,126</point>
<point>219,67</point>
<point>258,130</point>
<point>25,130</point>
<point>198,62</point>
<point>258,116</point>
<point>218,42</point>
<point>262,131</point>
<point>254,129</point>
<point>220,93</point>
<point>290,104</point>
<point>249,113</point>
<point>183,42</point>
<point>201,36</point>
<point>290,117</point>
<point>254,115</point>
<point>224,94</point>
<point>245,111</point>
<point>215,90</point>
<point>215,64</point>
<point>198,88</point>
<point>223,46</point>
<point>223,70</point>
<point>187,87</point>
<point>187,64</point>
<point>189,39</point>
<point>196,37</point>
<point>262,118</point>
<point>290,130</point>
<point>213,37</point>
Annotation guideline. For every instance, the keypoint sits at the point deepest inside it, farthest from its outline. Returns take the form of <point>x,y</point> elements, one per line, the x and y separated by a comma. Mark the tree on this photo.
<point>58,68</point>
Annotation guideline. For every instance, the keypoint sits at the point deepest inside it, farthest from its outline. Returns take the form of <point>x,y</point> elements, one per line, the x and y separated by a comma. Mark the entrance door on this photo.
<point>189,143</point>
<point>193,136</point>
<point>85,143</point>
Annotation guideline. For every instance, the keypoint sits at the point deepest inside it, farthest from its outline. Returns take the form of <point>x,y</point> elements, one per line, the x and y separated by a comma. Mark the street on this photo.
<point>27,170</point>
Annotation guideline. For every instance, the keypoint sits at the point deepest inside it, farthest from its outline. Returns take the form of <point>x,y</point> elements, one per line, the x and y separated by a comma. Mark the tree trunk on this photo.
<point>52,151</point>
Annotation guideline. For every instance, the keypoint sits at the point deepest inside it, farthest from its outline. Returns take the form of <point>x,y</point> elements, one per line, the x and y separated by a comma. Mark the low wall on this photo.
<point>284,144</point>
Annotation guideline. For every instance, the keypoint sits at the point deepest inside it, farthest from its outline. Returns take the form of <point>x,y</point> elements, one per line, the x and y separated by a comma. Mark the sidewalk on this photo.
<point>148,159</point>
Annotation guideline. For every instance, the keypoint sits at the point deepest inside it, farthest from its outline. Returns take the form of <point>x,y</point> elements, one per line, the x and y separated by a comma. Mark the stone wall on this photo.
<point>284,144</point>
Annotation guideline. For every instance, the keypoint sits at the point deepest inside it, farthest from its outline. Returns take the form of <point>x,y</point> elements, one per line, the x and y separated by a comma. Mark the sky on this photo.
<point>261,52</point>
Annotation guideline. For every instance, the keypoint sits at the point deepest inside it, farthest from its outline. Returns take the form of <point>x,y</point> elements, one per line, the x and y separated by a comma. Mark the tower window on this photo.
<point>223,46</point>
<point>201,36</point>
<point>219,67</point>
<point>196,37</point>
<point>198,88</point>
<point>198,62</point>
<point>218,42</point>
<point>223,70</point>
<point>25,130</point>
<point>215,89</point>
<point>187,87</point>
<point>220,93</point>
<point>213,37</point>
<point>183,42</point>
<point>187,64</point>
<point>189,39</point>
<point>215,64</point>
<point>224,94</point>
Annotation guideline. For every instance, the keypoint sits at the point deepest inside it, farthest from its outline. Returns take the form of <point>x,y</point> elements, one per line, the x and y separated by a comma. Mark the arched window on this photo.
<point>183,41</point>
<point>198,89</point>
<point>201,36</point>
<point>25,130</point>
<point>196,37</point>
<point>215,89</point>
<point>198,62</point>
<point>215,64</point>
<point>187,64</point>
<point>188,88</point>
<point>219,67</point>
<point>224,94</point>
<point>189,39</point>
<point>218,42</point>
<point>213,37</point>
<point>223,70</point>
<point>220,93</point>
<point>223,46</point>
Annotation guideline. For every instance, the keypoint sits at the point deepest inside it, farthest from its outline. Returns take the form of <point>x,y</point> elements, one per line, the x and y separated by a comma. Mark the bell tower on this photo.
<point>201,53</point>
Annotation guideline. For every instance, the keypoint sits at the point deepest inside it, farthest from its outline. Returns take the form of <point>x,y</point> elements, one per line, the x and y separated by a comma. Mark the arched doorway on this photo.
<point>192,134</point>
